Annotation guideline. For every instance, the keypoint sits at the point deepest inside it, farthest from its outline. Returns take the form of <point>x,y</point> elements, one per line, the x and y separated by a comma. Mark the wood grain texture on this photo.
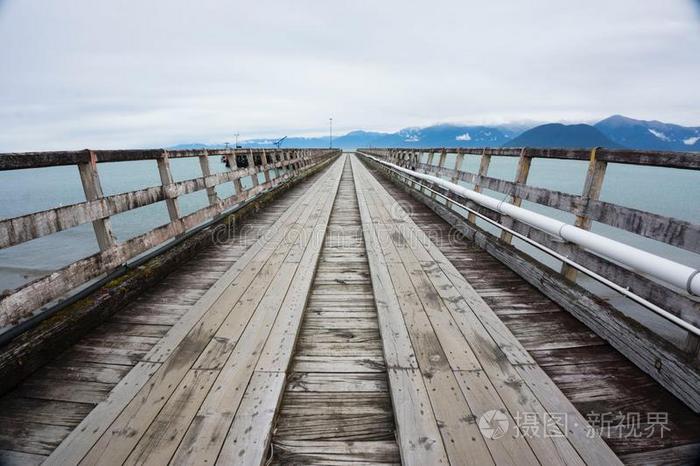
<point>592,374</point>
<point>337,396</point>
<point>65,391</point>
<point>496,350</point>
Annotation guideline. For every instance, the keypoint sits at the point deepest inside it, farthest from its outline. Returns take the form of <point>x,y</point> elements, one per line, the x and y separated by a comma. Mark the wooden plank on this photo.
<point>417,433</point>
<point>521,173</point>
<point>31,437</point>
<point>206,171</point>
<point>90,179</point>
<point>335,452</point>
<point>166,431</point>
<point>18,458</point>
<point>510,447</point>
<point>54,412</point>
<point>684,160</point>
<point>673,456</point>
<point>333,382</point>
<point>331,404</point>
<point>250,433</point>
<point>478,181</point>
<point>592,187</point>
<point>166,179</point>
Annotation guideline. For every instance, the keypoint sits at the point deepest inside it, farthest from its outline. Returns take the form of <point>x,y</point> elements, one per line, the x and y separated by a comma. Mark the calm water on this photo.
<point>26,191</point>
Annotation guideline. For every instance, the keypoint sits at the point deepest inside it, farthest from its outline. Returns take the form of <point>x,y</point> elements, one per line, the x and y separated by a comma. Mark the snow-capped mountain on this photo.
<point>652,135</point>
<point>613,132</point>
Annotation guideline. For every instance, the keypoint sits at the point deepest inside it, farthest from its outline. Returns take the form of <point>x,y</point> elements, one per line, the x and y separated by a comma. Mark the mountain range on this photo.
<point>616,131</point>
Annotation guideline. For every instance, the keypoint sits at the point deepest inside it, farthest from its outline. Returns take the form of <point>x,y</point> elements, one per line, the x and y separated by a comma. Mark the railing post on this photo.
<point>206,171</point>
<point>521,174</point>
<point>265,165</point>
<point>591,191</point>
<point>92,187</point>
<point>251,164</point>
<point>233,166</point>
<point>166,179</point>
<point>459,161</point>
<point>483,171</point>
<point>431,157</point>
<point>441,164</point>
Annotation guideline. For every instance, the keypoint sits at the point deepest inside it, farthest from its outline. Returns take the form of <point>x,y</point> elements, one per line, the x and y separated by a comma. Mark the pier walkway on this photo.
<point>345,322</point>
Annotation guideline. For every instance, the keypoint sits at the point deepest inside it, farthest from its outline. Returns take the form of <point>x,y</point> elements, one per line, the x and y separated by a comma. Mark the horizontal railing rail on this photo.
<point>683,160</point>
<point>587,207</point>
<point>23,302</point>
<point>23,160</point>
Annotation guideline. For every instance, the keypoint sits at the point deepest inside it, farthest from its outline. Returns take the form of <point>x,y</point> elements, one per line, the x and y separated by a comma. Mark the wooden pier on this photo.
<point>333,312</point>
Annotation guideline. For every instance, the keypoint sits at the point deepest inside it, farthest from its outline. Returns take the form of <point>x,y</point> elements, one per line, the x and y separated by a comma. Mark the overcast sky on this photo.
<point>147,73</point>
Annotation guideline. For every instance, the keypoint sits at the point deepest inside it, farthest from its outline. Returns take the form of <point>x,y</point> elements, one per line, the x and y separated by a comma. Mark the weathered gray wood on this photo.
<point>166,178</point>
<point>26,299</point>
<point>669,230</point>
<point>206,171</point>
<point>17,230</point>
<point>481,333</point>
<point>483,170</point>
<point>683,160</point>
<point>139,402</point>
<point>521,173</point>
<point>90,179</point>
<point>251,164</point>
<point>652,354</point>
<point>265,163</point>
<point>591,192</point>
<point>676,301</point>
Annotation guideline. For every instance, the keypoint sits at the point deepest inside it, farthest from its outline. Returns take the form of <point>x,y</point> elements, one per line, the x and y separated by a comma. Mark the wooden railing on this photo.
<point>22,302</point>
<point>674,364</point>
<point>587,207</point>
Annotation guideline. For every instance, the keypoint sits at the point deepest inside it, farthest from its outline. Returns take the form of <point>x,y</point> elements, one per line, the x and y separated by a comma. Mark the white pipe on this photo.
<point>663,269</point>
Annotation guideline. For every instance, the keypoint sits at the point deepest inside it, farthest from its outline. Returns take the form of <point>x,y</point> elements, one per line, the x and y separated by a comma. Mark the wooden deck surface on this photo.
<point>38,414</point>
<point>453,361</point>
<point>336,407</point>
<point>602,384</point>
<point>341,330</point>
<point>208,391</point>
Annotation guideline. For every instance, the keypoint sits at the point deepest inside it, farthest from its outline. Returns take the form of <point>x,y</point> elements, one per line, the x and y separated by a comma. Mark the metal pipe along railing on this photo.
<point>665,270</point>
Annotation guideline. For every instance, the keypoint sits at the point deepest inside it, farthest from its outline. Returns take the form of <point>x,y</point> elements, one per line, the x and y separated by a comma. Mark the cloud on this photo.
<point>133,74</point>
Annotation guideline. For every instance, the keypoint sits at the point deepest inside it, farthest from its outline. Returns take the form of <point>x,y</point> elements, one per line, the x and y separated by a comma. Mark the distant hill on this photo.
<point>432,136</point>
<point>558,135</point>
<point>650,135</point>
<point>613,132</point>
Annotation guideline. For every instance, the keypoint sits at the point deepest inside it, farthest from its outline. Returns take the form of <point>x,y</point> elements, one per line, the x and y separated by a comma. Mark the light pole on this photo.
<point>330,123</point>
<point>236,146</point>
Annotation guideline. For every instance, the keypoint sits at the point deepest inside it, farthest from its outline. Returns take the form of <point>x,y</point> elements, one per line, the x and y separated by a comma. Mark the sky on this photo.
<point>133,73</point>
